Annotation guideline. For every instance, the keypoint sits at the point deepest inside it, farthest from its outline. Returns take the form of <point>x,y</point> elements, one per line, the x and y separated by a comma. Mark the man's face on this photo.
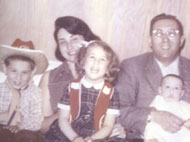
<point>166,41</point>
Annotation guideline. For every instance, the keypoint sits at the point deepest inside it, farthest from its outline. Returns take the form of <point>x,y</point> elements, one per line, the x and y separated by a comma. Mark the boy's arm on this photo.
<point>66,128</point>
<point>106,129</point>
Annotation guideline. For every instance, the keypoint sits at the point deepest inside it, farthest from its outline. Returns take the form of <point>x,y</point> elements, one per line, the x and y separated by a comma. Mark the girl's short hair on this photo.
<point>113,66</point>
<point>74,26</point>
<point>19,57</point>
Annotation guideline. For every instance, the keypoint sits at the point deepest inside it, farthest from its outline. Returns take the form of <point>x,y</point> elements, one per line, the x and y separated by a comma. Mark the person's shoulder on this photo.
<point>60,68</point>
<point>141,59</point>
<point>3,88</point>
<point>32,89</point>
<point>185,60</point>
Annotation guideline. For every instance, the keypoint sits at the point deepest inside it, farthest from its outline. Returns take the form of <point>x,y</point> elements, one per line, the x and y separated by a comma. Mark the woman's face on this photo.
<point>69,44</point>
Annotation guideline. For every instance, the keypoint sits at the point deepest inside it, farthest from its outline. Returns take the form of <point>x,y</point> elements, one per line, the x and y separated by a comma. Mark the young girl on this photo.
<point>91,104</point>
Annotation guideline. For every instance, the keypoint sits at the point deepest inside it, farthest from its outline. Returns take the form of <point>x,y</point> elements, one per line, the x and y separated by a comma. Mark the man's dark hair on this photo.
<point>164,16</point>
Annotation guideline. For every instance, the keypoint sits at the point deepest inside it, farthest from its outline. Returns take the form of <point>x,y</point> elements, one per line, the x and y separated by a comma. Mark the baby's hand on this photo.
<point>187,124</point>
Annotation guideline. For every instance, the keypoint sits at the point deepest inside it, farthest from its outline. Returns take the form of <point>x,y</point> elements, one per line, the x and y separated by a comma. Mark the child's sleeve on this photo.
<point>114,103</point>
<point>33,117</point>
<point>64,102</point>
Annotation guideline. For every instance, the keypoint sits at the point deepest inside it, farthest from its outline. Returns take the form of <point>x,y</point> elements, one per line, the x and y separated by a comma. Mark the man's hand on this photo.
<point>167,121</point>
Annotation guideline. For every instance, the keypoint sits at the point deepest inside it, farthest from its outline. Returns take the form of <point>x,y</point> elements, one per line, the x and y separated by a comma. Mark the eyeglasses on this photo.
<point>170,33</point>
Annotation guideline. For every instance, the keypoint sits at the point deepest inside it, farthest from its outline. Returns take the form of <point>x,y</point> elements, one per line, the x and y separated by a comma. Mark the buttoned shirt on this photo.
<point>30,105</point>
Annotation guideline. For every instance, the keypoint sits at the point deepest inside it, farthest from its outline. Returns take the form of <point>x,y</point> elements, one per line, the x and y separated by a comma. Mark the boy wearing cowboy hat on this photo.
<point>20,99</point>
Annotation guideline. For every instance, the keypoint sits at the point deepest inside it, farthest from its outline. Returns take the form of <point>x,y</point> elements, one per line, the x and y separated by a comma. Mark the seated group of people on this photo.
<point>91,97</point>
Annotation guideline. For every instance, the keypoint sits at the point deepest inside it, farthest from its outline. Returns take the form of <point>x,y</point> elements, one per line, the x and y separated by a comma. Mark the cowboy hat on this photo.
<point>37,56</point>
<point>23,44</point>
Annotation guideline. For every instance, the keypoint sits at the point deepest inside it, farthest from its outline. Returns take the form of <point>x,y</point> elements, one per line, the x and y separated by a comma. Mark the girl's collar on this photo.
<point>89,85</point>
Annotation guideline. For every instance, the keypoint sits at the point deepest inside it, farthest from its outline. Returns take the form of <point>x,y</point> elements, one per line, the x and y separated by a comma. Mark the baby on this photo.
<point>170,91</point>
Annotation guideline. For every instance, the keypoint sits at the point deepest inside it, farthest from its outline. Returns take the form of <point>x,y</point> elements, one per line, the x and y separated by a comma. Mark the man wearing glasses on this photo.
<point>140,77</point>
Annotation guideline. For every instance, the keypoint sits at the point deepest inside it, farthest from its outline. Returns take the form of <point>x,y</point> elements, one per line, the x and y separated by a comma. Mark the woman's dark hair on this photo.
<point>113,66</point>
<point>74,26</point>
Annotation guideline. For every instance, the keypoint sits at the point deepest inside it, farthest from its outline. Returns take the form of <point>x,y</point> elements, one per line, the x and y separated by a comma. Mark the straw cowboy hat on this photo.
<point>37,56</point>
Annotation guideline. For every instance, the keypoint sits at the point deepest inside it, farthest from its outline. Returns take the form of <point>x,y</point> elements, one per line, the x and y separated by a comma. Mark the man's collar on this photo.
<point>174,63</point>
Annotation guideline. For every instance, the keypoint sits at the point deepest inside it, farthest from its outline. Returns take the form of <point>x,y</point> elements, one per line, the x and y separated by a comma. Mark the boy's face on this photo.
<point>18,73</point>
<point>171,89</point>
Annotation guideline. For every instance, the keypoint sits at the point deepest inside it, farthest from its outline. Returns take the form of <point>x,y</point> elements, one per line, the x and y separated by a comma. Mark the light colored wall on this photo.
<point>124,24</point>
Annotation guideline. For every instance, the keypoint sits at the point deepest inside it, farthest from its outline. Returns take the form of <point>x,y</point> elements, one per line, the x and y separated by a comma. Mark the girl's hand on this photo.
<point>118,131</point>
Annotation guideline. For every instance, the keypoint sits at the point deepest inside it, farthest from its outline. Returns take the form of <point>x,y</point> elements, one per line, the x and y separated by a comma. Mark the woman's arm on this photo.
<point>66,128</point>
<point>49,115</point>
<point>106,129</point>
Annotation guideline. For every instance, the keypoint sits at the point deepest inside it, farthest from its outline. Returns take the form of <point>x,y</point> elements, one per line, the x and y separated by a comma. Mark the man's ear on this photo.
<point>182,41</point>
<point>150,41</point>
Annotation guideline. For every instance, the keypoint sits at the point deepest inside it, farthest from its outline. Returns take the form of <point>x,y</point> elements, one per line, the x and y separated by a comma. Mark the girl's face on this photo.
<point>19,73</point>
<point>69,44</point>
<point>172,89</point>
<point>95,64</point>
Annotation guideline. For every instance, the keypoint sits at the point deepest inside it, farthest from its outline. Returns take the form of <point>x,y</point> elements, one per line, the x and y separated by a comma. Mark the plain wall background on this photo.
<point>123,24</point>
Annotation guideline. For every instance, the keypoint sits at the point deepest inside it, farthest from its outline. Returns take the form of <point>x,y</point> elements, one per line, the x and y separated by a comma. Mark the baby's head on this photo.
<point>172,87</point>
<point>20,65</point>
<point>98,61</point>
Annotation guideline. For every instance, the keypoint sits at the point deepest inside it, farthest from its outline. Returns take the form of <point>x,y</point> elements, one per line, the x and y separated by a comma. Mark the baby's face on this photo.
<point>172,89</point>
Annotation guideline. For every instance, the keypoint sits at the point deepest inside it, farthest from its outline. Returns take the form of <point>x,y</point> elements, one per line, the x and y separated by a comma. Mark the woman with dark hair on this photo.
<point>70,35</point>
